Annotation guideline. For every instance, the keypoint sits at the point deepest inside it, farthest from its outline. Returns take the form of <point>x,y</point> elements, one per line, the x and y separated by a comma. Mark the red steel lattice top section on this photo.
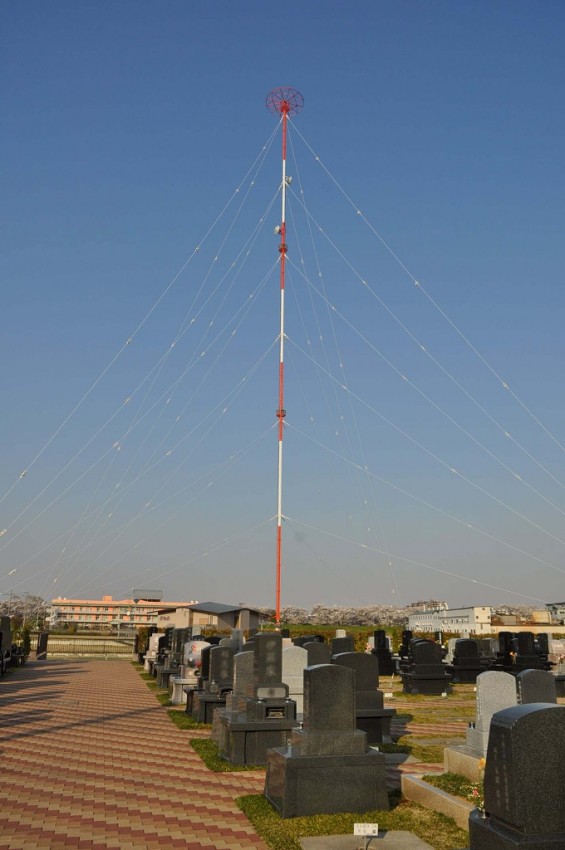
<point>285,100</point>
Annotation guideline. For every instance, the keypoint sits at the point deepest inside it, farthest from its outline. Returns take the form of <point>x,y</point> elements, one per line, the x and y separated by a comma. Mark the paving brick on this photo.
<point>97,764</point>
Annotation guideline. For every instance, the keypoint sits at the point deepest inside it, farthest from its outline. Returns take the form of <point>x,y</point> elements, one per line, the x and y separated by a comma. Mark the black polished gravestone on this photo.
<point>173,660</point>
<point>387,665</point>
<point>370,714</point>
<point>424,672</point>
<point>318,653</point>
<point>467,663</point>
<point>267,715</point>
<point>236,700</point>
<point>218,683</point>
<point>527,657</point>
<point>524,781</point>
<point>304,639</point>
<point>326,767</point>
<point>505,656</point>
<point>342,644</point>
<point>404,647</point>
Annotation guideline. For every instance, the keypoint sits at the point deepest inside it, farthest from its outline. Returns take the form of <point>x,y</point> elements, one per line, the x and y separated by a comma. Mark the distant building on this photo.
<point>556,611</point>
<point>207,615</point>
<point>106,612</point>
<point>464,621</point>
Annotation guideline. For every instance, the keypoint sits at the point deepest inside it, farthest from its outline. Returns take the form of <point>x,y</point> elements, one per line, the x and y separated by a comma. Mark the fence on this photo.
<point>83,645</point>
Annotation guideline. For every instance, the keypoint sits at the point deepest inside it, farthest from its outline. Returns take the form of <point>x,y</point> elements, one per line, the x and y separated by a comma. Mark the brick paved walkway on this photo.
<point>90,759</point>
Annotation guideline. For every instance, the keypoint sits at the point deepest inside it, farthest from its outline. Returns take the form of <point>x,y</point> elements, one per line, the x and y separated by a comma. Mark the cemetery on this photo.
<point>313,714</point>
<point>322,732</point>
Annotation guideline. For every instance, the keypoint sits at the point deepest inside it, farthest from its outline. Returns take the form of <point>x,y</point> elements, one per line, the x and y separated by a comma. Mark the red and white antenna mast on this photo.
<point>286,102</point>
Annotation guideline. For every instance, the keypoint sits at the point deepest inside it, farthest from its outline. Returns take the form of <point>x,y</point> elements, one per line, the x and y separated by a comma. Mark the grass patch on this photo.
<point>208,752</point>
<point>284,834</point>
<point>441,712</point>
<point>186,721</point>
<point>452,783</point>
<point>424,753</point>
<point>162,695</point>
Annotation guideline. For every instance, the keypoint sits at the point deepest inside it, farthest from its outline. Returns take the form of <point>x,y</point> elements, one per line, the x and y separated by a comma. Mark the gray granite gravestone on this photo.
<point>524,781</point>
<point>267,713</point>
<point>294,660</point>
<point>326,766</point>
<point>425,673</point>
<point>370,714</point>
<point>496,690</point>
<point>536,686</point>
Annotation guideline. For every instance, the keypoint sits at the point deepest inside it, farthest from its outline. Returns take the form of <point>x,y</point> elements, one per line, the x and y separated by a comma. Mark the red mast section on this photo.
<point>285,101</point>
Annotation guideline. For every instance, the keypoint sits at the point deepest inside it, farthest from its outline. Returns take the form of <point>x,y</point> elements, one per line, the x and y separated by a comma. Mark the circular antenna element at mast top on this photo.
<point>285,101</point>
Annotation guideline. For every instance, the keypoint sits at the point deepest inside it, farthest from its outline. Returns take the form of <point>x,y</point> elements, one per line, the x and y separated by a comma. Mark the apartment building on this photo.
<point>465,621</point>
<point>107,612</point>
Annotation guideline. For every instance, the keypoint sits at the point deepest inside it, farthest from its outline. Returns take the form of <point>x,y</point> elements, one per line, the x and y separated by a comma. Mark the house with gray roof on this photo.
<point>209,615</point>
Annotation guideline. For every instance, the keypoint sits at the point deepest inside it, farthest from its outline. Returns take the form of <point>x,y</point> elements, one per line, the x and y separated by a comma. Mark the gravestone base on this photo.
<point>310,785</point>
<point>560,685</point>
<point>412,683</point>
<point>465,675</point>
<point>376,723</point>
<point>463,760</point>
<point>190,691</point>
<point>164,675</point>
<point>486,833</point>
<point>204,704</point>
<point>243,741</point>
<point>218,723</point>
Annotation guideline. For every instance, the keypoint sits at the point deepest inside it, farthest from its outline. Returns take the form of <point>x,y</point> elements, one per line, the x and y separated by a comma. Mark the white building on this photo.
<point>463,621</point>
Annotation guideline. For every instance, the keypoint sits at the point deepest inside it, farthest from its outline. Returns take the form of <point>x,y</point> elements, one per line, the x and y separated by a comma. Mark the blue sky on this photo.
<point>128,128</point>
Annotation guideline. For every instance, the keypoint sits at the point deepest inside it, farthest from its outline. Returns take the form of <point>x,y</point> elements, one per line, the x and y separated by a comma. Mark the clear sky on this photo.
<point>424,439</point>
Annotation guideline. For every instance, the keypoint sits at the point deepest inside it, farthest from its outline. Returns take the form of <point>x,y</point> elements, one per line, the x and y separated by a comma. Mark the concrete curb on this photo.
<point>426,795</point>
